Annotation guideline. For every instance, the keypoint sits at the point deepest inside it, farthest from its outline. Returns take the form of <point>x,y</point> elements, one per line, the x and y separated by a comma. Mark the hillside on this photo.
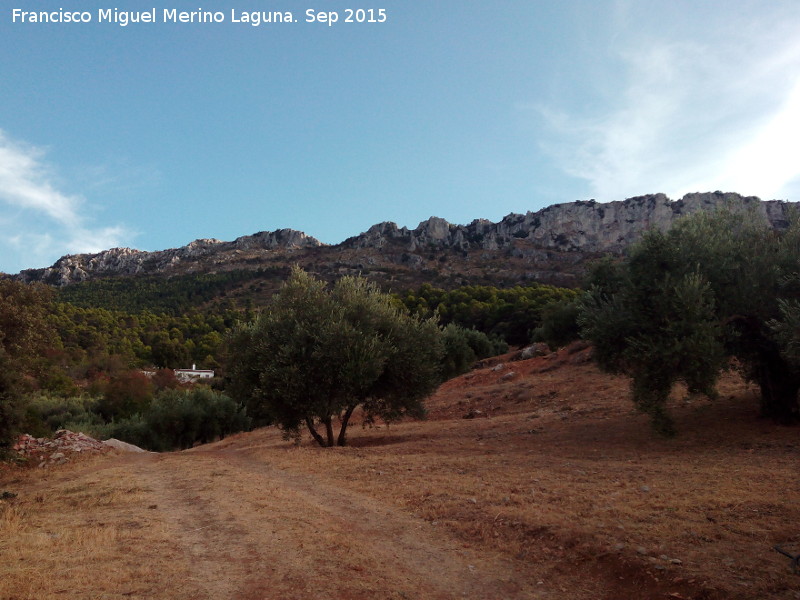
<point>531,479</point>
<point>551,245</point>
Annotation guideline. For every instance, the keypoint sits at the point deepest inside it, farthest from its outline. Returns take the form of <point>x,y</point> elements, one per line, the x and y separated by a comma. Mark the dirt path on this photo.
<point>247,529</point>
<point>552,493</point>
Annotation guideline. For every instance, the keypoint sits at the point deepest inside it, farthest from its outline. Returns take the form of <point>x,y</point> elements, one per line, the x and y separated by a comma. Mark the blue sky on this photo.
<point>155,134</point>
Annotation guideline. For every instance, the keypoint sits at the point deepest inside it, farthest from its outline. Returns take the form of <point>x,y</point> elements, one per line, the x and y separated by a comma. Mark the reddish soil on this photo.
<point>530,479</point>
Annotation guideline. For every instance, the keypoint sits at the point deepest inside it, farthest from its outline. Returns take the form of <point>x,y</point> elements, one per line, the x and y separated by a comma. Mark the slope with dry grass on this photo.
<point>552,487</point>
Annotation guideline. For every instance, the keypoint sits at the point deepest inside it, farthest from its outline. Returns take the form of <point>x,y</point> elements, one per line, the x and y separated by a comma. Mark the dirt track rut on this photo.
<point>247,529</point>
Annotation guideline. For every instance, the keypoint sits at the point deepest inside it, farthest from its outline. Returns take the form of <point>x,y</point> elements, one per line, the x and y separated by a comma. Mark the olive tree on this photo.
<point>715,286</point>
<point>315,354</point>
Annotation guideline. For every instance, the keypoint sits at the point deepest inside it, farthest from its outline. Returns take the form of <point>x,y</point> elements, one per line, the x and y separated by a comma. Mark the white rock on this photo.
<point>122,446</point>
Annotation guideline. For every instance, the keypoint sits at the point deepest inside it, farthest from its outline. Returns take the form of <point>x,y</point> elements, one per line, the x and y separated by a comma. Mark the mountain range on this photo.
<point>551,245</point>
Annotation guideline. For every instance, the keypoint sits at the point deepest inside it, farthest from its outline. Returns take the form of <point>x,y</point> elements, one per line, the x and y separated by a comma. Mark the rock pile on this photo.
<point>54,451</point>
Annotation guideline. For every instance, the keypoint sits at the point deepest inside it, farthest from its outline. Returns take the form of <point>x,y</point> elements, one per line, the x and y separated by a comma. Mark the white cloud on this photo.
<point>41,222</point>
<point>720,111</point>
<point>768,160</point>
<point>24,183</point>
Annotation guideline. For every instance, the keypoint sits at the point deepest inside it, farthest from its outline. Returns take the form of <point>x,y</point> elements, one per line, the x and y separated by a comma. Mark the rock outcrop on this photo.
<point>583,226</point>
<point>548,245</point>
<point>126,261</point>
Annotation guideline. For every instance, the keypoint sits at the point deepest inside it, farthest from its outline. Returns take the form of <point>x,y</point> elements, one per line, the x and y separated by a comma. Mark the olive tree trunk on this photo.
<point>342,441</point>
<point>317,437</point>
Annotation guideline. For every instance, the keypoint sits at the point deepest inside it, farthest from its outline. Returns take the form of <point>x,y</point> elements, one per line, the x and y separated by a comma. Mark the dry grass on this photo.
<point>559,471</point>
<point>556,488</point>
<point>75,540</point>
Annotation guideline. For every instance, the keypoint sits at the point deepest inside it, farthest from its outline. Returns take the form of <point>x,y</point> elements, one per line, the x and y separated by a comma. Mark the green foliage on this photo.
<point>714,286</point>
<point>174,296</point>
<point>59,351</point>
<point>46,413</point>
<point>181,418</point>
<point>511,314</point>
<point>462,347</point>
<point>11,407</point>
<point>126,394</point>
<point>559,324</point>
<point>135,430</point>
<point>315,354</point>
<point>25,336</point>
<point>786,329</point>
<point>175,418</point>
<point>91,334</point>
<point>657,331</point>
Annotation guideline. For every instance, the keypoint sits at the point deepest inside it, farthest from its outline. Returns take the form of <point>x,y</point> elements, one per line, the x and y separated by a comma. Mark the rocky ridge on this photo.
<point>75,268</point>
<point>550,244</point>
<point>583,226</point>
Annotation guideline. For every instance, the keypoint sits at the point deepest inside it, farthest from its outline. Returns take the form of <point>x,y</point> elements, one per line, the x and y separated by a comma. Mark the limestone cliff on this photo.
<point>583,226</point>
<point>551,244</point>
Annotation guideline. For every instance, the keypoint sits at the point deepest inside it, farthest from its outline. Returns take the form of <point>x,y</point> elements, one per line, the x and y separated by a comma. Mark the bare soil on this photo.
<point>530,479</point>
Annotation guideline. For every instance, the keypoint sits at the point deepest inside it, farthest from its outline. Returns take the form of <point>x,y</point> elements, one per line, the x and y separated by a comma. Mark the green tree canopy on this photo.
<point>25,335</point>
<point>511,314</point>
<point>317,353</point>
<point>714,287</point>
<point>462,347</point>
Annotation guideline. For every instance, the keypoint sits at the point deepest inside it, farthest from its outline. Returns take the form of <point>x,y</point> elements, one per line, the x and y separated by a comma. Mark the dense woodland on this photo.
<point>510,314</point>
<point>175,295</point>
<point>175,322</point>
<point>80,350</point>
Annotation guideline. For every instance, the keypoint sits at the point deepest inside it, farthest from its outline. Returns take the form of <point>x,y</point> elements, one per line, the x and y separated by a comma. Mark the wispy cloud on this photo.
<point>721,111</point>
<point>24,183</point>
<point>41,222</point>
<point>767,162</point>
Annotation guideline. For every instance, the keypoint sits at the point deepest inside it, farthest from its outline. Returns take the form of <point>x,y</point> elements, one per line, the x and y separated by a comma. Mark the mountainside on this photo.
<point>205,255</point>
<point>551,245</point>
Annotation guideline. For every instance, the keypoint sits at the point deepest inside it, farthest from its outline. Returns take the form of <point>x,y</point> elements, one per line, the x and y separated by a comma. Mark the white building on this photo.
<point>193,374</point>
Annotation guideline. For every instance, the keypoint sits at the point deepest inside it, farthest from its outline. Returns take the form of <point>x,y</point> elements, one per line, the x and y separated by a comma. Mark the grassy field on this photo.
<point>530,479</point>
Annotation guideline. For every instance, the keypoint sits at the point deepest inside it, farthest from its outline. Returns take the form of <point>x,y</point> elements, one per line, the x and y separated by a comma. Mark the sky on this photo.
<point>151,135</point>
